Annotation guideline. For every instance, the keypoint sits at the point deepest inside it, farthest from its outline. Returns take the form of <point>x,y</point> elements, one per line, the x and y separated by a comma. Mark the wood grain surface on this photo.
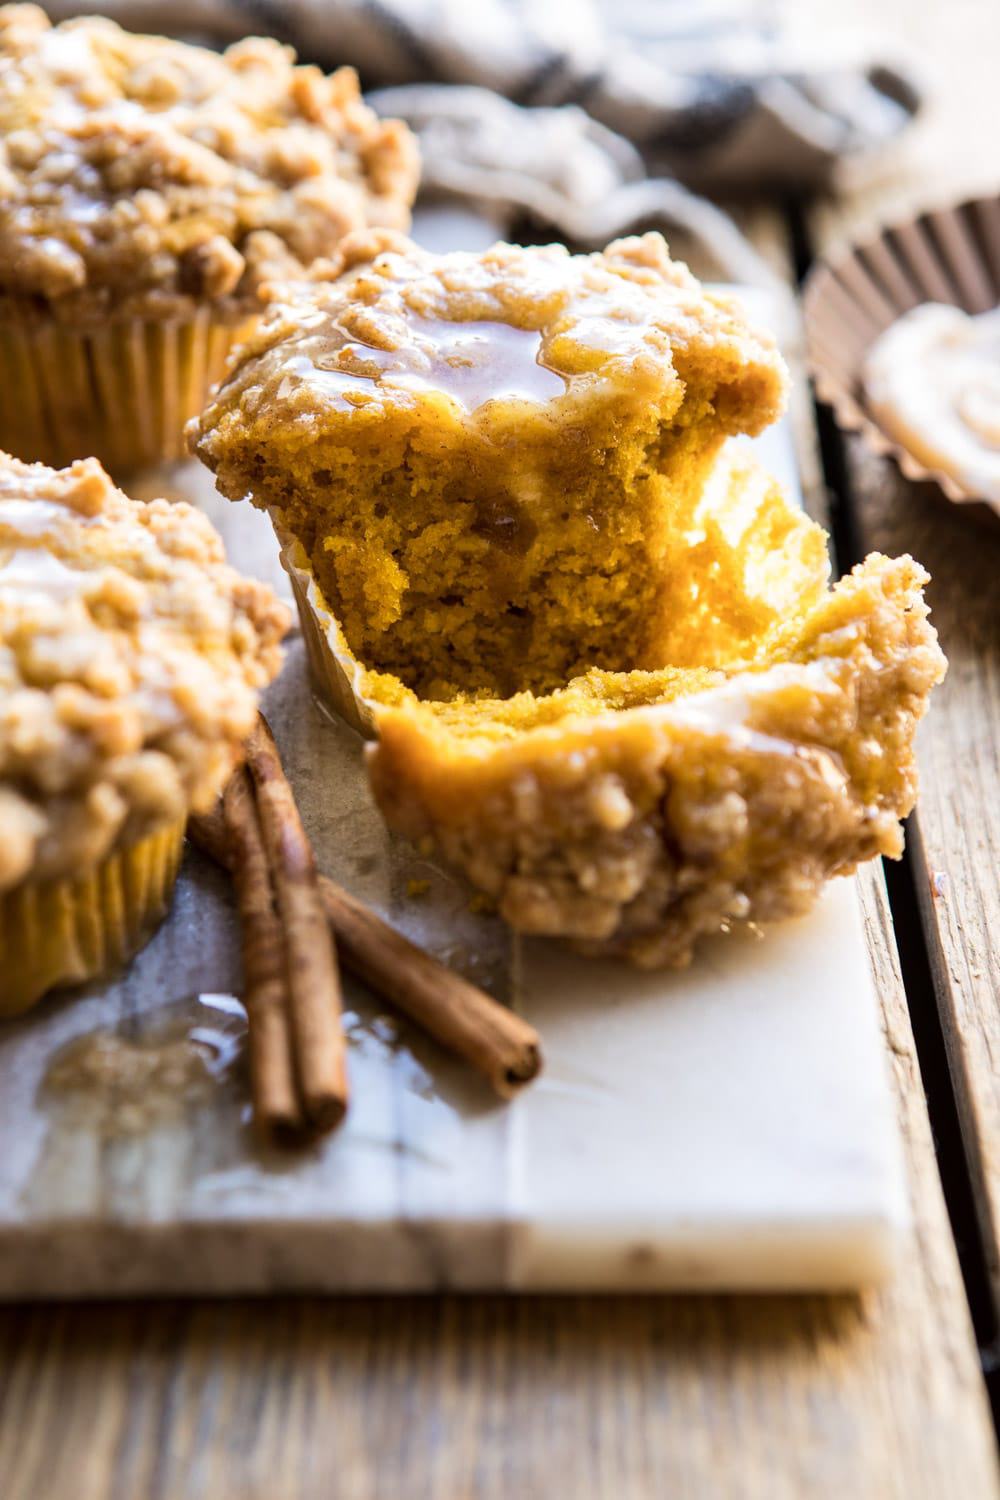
<point>955,835</point>
<point>606,1399</point>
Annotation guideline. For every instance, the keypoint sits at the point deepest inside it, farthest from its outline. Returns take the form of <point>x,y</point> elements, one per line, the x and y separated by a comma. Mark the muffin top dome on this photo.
<point>489,459</point>
<point>145,175</point>
<point>130,659</point>
<point>386,324</point>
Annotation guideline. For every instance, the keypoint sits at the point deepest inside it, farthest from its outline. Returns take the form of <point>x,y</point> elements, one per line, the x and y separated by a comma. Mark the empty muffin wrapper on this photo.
<point>949,256</point>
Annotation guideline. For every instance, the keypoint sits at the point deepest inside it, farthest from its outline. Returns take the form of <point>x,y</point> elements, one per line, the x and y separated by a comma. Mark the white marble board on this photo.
<point>725,1127</point>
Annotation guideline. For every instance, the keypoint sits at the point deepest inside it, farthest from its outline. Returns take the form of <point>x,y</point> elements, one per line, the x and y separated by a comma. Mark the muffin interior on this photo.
<point>502,565</point>
<point>743,565</point>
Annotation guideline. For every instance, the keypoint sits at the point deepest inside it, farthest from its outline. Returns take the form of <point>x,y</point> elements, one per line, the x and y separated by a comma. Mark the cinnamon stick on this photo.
<point>499,1044</point>
<point>276,1105</point>
<point>310,957</point>
<point>208,830</point>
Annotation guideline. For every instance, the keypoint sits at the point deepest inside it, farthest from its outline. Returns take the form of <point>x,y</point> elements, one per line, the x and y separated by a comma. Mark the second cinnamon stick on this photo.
<point>272,1068</point>
<point>313,981</point>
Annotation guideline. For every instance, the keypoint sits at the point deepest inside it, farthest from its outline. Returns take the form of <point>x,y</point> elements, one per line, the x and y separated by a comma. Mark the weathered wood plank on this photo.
<point>955,836</point>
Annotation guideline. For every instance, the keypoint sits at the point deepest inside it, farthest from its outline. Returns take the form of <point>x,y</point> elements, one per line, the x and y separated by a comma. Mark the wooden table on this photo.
<point>869,1397</point>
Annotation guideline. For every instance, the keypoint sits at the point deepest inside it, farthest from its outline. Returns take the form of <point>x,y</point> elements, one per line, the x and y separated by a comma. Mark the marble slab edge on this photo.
<point>71,1261</point>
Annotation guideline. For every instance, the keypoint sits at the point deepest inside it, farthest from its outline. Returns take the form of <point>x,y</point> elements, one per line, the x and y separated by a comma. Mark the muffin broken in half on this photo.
<point>597,646</point>
<point>634,812</point>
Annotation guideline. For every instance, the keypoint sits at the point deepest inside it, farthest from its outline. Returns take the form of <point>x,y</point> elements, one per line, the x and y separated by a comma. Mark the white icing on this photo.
<point>33,570</point>
<point>66,53</point>
<point>933,381</point>
<point>35,517</point>
<point>730,708</point>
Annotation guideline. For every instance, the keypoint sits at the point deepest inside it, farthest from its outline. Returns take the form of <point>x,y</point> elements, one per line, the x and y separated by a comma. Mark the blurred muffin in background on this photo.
<point>147,188</point>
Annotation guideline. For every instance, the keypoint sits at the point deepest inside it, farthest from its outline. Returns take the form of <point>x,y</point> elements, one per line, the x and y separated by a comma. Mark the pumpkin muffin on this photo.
<point>595,644</point>
<point>485,466</point>
<point>635,812</point>
<point>131,656</point>
<point>146,189</point>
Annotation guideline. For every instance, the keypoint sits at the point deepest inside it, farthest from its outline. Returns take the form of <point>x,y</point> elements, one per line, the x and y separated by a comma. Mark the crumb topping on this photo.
<point>139,174</point>
<point>131,655</point>
<point>384,323</point>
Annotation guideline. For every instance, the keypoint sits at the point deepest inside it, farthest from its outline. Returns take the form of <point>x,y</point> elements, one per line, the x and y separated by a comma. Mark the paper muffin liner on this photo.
<point>61,932</point>
<point>338,678</point>
<point>121,392</point>
<point>947,255</point>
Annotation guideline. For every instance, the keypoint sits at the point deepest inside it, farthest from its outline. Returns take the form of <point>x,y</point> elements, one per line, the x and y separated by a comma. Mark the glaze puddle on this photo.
<point>474,363</point>
<point>122,1084</point>
<point>150,1121</point>
<point>137,1114</point>
<point>479,362</point>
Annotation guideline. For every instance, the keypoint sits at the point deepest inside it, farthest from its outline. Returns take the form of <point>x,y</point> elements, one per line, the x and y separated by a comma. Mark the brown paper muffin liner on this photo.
<point>338,678</point>
<point>60,932</point>
<point>121,393</point>
<point>948,255</point>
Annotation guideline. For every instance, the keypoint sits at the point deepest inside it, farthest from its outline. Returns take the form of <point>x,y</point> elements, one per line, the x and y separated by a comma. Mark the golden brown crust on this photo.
<point>130,659</point>
<point>142,176</point>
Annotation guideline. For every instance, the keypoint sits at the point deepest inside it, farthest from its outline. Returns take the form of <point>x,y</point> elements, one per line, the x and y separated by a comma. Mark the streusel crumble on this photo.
<point>131,656</point>
<point>635,812</point>
<point>141,176</point>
